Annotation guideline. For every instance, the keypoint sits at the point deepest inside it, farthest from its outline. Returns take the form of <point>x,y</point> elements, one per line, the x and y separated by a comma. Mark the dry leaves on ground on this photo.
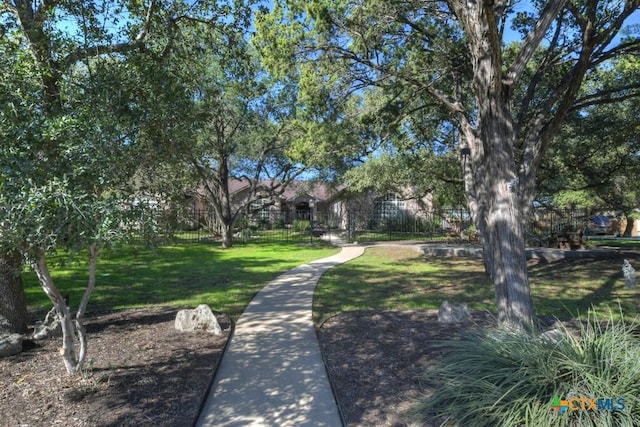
<point>142,372</point>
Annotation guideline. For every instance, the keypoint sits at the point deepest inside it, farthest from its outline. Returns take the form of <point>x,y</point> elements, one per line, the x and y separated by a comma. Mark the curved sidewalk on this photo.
<point>272,373</point>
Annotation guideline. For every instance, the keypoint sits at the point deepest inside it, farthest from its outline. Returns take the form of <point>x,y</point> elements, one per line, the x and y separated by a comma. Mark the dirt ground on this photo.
<point>376,361</point>
<point>142,372</point>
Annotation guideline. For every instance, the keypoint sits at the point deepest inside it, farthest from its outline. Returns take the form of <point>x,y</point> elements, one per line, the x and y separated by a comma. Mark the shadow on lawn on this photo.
<point>571,287</point>
<point>176,275</point>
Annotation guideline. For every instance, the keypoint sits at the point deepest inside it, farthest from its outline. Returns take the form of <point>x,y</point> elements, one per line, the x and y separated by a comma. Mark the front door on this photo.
<point>303,211</point>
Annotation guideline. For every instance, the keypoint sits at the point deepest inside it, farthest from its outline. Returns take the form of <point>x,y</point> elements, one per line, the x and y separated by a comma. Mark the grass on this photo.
<point>622,243</point>
<point>392,278</point>
<point>180,276</point>
<point>491,378</point>
<point>384,278</point>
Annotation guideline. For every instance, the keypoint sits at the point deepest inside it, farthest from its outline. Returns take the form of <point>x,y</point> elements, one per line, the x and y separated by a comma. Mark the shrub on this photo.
<point>500,378</point>
<point>301,225</point>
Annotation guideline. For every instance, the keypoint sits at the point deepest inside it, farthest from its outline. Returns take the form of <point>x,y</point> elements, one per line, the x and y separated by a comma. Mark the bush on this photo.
<point>301,225</point>
<point>501,378</point>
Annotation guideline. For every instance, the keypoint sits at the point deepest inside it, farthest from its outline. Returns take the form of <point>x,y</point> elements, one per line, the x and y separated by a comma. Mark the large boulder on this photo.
<point>453,313</point>
<point>10,345</point>
<point>199,319</point>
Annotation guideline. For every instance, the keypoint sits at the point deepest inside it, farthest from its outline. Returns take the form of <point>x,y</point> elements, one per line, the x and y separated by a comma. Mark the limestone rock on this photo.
<point>453,313</point>
<point>199,319</point>
<point>10,345</point>
<point>50,327</point>
<point>553,336</point>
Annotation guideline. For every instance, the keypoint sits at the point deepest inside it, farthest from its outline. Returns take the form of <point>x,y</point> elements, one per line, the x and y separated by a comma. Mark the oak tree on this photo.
<point>505,98</point>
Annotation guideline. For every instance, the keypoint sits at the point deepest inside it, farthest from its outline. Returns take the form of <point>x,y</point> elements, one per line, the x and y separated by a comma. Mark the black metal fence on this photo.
<point>351,226</point>
<point>310,226</point>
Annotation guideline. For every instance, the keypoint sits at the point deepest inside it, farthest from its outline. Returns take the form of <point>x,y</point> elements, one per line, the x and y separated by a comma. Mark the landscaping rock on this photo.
<point>553,336</point>
<point>199,319</point>
<point>50,327</point>
<point>10,345</point>
<point>453,313</point>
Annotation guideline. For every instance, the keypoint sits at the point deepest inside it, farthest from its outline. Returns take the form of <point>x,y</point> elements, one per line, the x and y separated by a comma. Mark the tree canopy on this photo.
<point>463,99</point>
<point>593,161</point>
<point>88,116</point>
<point>505,102</point>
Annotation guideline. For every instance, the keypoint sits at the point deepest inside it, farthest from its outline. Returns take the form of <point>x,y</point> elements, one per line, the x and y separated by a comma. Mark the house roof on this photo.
<point>319,191</point>
<point>237,185</point>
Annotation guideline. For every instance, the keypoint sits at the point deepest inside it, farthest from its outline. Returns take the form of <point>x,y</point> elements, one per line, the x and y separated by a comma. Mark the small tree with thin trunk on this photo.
<point>76,127</point>
<point>44,218</point>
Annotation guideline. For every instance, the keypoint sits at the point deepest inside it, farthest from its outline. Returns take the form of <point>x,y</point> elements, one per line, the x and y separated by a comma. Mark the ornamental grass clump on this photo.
<point>502,378</point>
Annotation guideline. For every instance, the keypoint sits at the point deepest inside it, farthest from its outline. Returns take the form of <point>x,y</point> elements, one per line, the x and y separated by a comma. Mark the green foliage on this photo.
<point>235,123</point>
<point>441,79</point>
<point>593,162</point>
<point>497,377</point>
<point>91,130</point>
<point>301,225</point>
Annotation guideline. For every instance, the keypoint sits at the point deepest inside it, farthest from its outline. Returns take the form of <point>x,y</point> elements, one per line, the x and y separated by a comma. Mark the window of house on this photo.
<point>260,209</point>
<point>389,206</point>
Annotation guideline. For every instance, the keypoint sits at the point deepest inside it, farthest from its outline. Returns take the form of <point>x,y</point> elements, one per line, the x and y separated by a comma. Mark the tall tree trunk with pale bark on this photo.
<point>227,235</point>
<point>496,207</point>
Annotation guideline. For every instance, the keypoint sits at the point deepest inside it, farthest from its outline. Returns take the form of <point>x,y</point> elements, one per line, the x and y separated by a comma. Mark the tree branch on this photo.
<point>124,47</point>
<point>533,40</point>
<point>608,96</point>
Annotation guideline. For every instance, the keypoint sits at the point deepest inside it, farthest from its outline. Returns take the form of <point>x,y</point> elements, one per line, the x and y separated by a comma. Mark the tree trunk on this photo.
<point>68,350</point>
<point>503,223</point>
<point>493,190</point>
<point>227,235</point>
<point>79,322</point>
<point>13,306</point>
<point>499,219</point>
<point>628,230</point>
<point>506,264</point>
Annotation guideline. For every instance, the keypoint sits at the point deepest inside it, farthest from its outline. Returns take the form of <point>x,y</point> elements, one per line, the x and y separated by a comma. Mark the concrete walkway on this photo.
<point>272,373</point>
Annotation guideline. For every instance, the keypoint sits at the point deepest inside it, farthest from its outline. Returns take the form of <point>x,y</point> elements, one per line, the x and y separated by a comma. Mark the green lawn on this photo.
<point>381,236</point>
<point>181,276</point>
<point>399,278</point>
<point>384,278</point>
<point>622,243</point>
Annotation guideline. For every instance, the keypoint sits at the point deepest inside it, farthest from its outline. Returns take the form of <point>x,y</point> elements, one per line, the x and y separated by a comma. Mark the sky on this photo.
<point>524,6</point>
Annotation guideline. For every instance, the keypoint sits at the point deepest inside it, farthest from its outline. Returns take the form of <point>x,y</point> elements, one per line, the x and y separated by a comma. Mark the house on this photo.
<point>321,203</point>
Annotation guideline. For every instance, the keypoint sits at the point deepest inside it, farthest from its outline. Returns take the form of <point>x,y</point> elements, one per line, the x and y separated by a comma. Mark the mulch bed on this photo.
<point>376,361</point>
<point>140,371</point>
